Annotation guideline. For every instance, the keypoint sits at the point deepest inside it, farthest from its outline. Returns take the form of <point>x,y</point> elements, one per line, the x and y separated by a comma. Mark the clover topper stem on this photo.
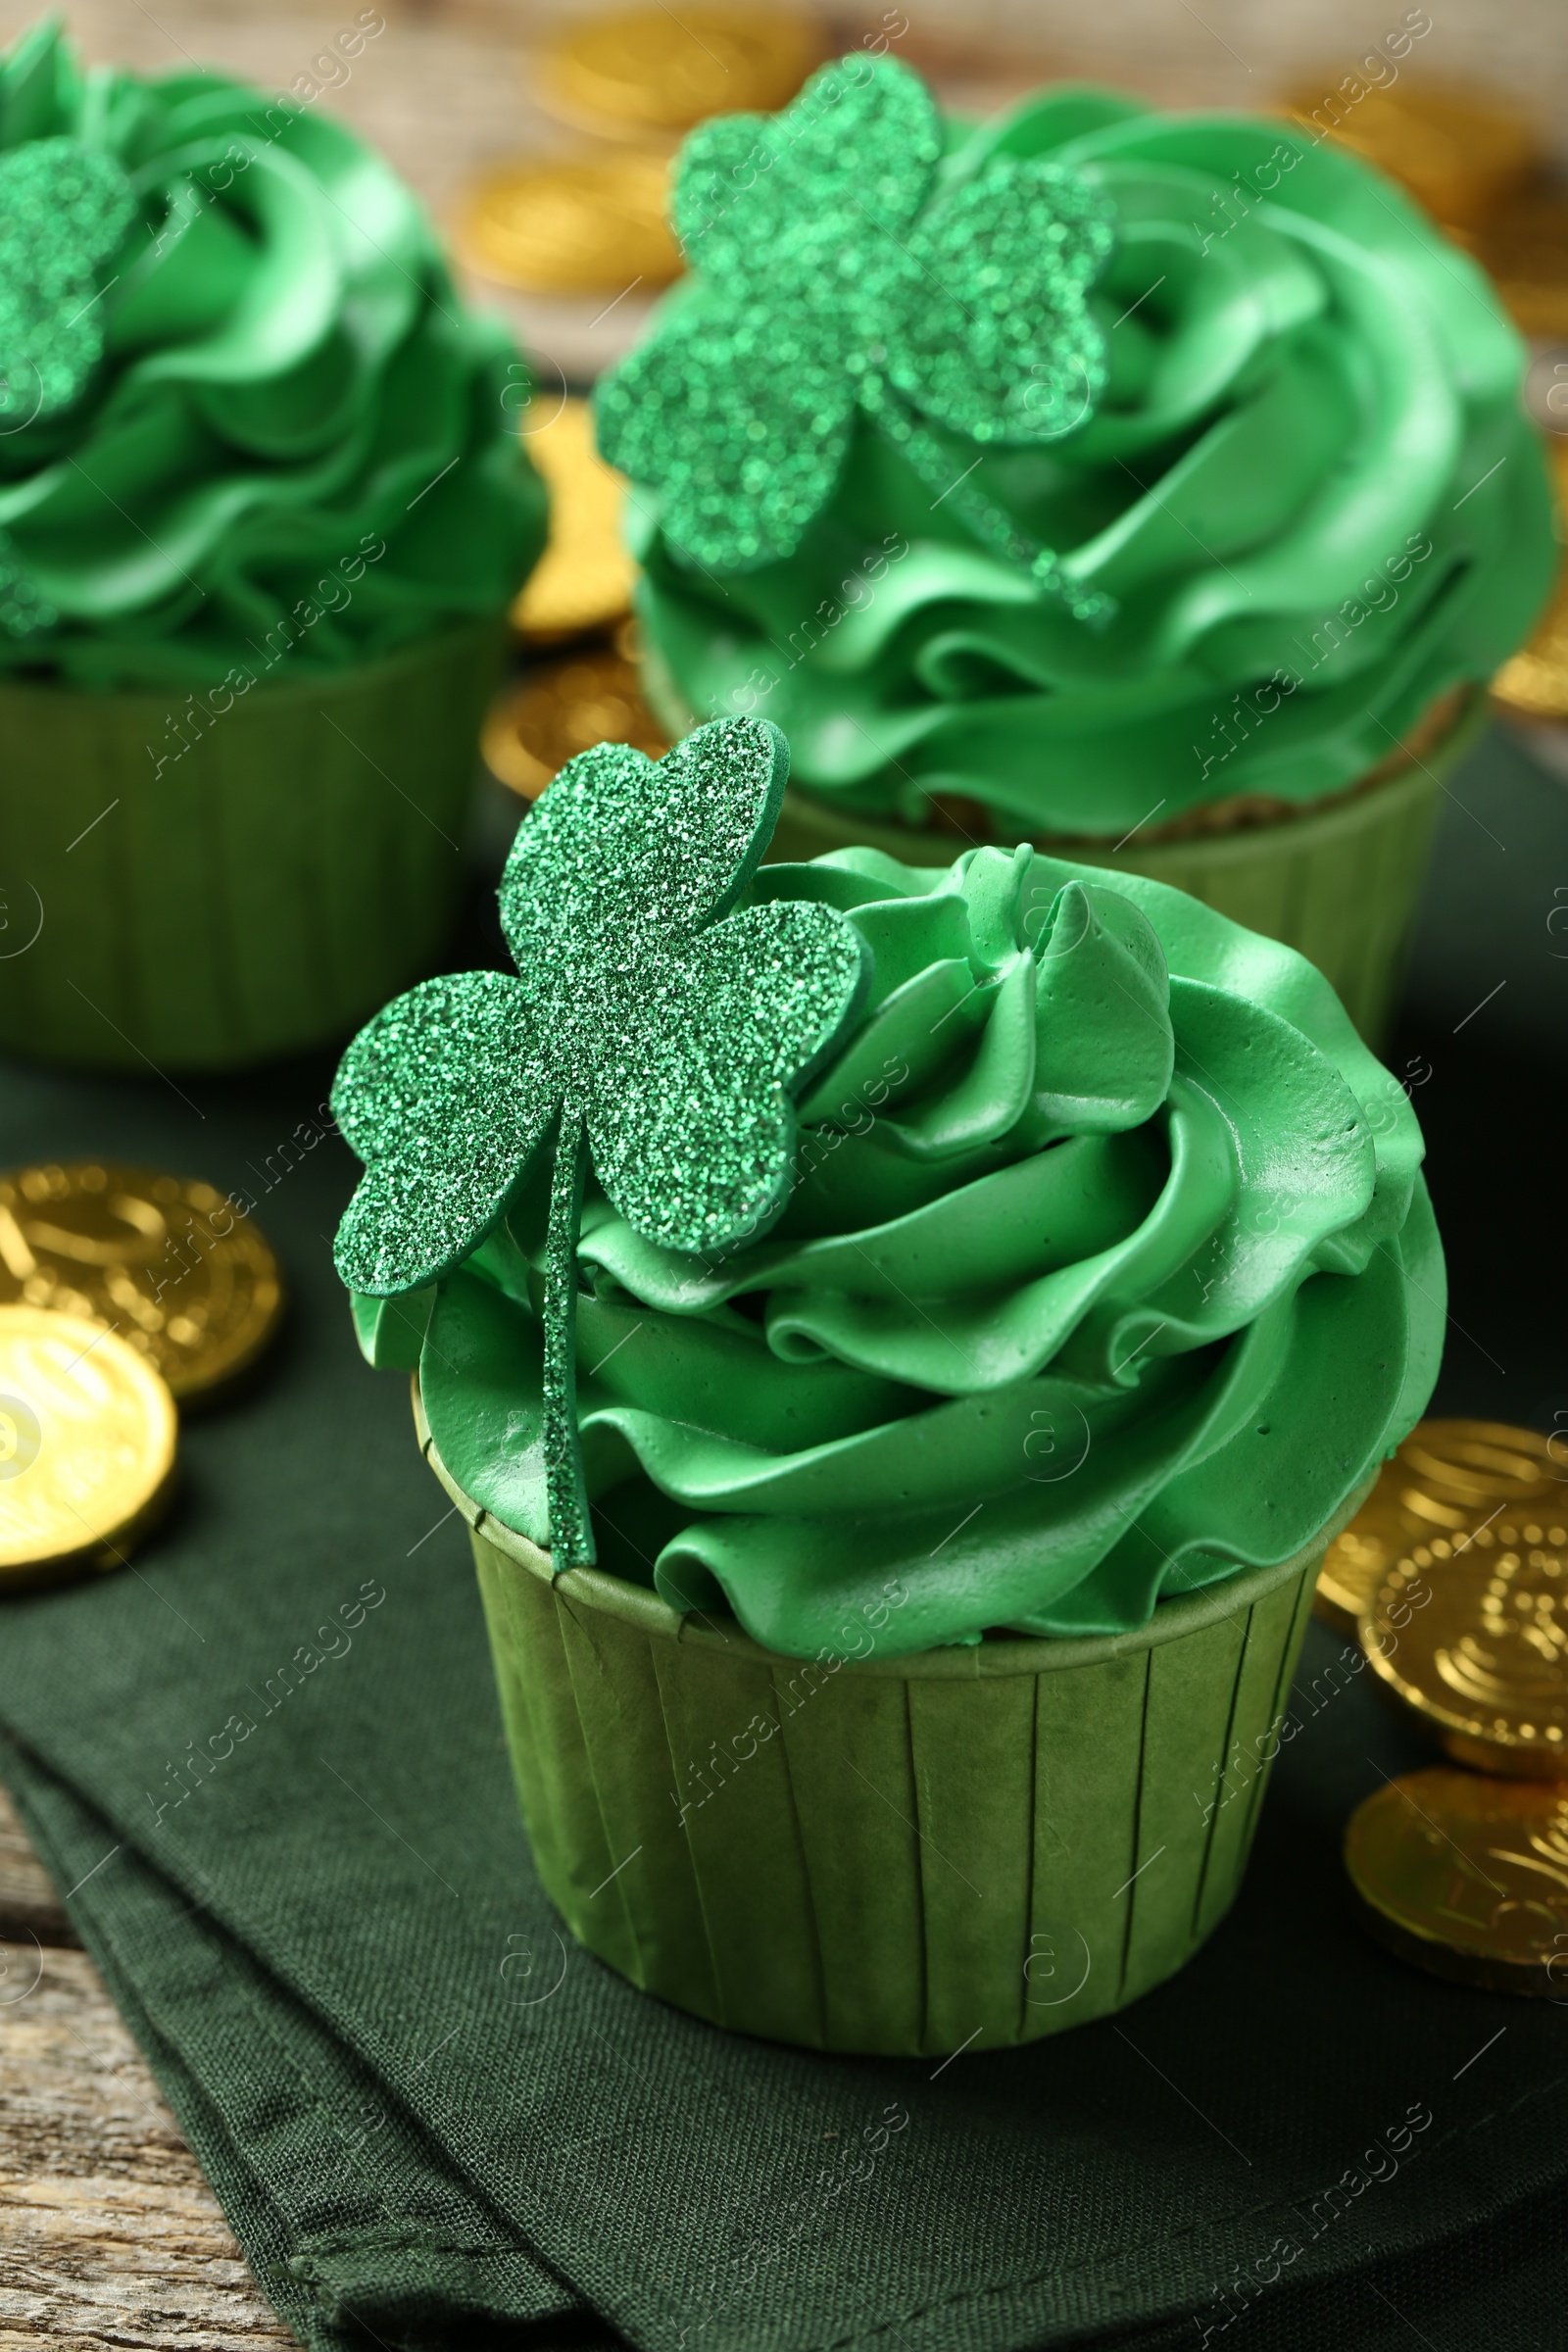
<point>571,1543</point>
<point>989,521</point>
<point>648,1009</point>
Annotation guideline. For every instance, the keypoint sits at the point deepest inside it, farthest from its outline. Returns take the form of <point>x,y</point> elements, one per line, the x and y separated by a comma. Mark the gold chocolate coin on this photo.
<point>584,578</point>
<point>580,225</point>
<point>1534,683</point>
<point>1473,1635</point>
<point>1468,1876</point>
<point>1359,1558</point>
<point>565,708</point>
<point>86,1445</point>
<point>1444,1479</point>
<point>1459,156</point>
<point>165,1261</point>
<point>649,71</point>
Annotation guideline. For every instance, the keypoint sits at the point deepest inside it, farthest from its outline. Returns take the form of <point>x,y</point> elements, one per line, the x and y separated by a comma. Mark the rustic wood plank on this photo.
<point>113,2239</point>
<point>28,1903</point>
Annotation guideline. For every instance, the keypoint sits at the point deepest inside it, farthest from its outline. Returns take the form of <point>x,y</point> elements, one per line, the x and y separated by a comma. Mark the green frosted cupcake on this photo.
<point>901,1341</point>
<point>1153,485</point>
<point>262,510</point>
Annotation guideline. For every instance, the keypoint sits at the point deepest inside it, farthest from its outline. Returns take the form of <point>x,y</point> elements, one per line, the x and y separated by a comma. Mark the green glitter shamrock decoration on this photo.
<point>63,210</point>
<point>651,1023</point>
<point>834,274</point>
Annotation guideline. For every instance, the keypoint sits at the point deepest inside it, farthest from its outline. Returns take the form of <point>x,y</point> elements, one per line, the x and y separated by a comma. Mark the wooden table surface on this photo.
<point>109,2234</point>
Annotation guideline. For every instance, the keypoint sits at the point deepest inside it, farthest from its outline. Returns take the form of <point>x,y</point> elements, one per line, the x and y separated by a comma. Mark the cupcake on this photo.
<point>1152,487</point>
<point>262,510</point>
<point>901,1338</point>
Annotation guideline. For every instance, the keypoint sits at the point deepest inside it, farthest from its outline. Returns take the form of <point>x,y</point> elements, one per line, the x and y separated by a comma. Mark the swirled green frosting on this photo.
<point>1107,1268</point>
<point>243,414</point>
<point>1306,488</point>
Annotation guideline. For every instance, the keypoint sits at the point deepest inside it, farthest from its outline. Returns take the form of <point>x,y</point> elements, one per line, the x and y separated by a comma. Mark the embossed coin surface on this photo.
<point>646,71</point>
<point>1467,1875</point>
<point>164,1260</point>
<point>561,709</point>
<point>1361,1555</point>
<point>86,1445</point>
<point>1444,1479</point>
<point>1474,1636</point>
<point>594,224</point>
<point>584,578</point>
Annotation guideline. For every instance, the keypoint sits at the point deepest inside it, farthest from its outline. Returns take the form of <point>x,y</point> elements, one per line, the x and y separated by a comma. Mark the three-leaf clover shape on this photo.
<point>652,1020</point>
<point>64,208</point>
<point>837,270</point>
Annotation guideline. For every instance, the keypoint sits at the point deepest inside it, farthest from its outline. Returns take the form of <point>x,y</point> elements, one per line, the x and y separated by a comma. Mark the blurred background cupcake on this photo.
<point>1153,485</point>
<point>262,510</point>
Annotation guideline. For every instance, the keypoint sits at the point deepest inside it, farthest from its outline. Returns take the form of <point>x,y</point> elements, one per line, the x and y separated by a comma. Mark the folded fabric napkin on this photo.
<point>268,1761</point>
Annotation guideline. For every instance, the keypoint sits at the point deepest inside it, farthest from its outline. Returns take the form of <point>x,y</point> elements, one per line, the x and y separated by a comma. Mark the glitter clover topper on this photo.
<point>63,210</point>
<point>836,270</point>
<point>651,1023</point>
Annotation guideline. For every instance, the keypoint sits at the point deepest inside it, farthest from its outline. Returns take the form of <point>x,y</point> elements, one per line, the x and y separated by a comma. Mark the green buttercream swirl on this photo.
<point>1307,486</point>
<point>1107,1268</point>
<point>252,418</point>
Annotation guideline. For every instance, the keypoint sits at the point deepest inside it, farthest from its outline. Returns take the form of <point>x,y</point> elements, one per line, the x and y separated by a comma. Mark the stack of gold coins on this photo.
<point>120,1289</point>
<point>1443,1481</point>
<point>584,581</point>
<point>1473,1637</point>
<point>562,707</point>
<point>1463,1617</point>
<point>579,597</point>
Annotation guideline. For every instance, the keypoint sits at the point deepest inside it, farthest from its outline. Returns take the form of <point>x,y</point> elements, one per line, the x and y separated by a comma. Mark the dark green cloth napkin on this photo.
<point>434,2122</point>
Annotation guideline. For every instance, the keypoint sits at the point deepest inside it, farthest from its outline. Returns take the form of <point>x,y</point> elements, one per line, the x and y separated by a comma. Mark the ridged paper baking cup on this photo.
<point>259,892</point>
<point>1339,884</point>
<point>971,1847</point>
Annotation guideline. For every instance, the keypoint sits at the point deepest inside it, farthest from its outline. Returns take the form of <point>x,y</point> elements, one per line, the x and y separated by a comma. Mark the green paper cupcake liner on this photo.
<point>294,868</point>
<point>1340,884</point>
<point>967,1848</point>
